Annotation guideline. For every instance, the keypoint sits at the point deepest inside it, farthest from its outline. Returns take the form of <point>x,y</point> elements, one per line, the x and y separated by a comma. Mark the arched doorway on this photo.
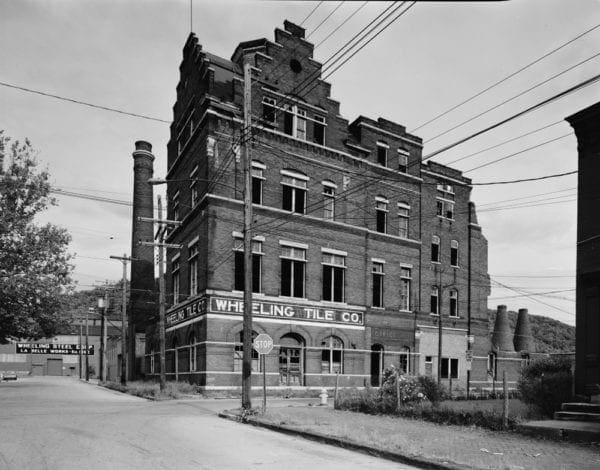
<point>376,364</point>
<point>291,360</point>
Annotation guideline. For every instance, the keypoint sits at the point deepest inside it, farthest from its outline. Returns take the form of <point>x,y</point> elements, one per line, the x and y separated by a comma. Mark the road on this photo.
<point>62,423</point>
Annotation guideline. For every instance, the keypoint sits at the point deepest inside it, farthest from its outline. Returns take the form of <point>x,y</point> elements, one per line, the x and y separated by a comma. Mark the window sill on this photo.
<point>436,262</point>
<point>377,308</point>
<point>454,317</point>
<point>334,303</point>
<point>434,314</point>
<point>445,218</point>
<point>454,266</point>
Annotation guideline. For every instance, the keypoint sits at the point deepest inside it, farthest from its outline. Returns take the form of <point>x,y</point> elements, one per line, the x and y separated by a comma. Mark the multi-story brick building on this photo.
<point>360,248</point>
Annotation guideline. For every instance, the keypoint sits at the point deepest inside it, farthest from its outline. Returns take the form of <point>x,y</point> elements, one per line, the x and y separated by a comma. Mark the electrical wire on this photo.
<point>530,64</point>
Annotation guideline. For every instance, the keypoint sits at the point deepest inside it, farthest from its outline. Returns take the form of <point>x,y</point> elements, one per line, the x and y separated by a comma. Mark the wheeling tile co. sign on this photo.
<point>261,308</point>
<point>53,348</point>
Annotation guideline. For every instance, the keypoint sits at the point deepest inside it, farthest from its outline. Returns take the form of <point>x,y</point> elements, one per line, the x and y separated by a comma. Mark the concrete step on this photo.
<point>576,416</point>
<point>574,431</point>
<point>581,407</point>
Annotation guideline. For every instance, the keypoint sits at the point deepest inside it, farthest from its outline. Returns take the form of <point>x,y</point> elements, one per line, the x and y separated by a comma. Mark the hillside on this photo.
<point>549,335</point>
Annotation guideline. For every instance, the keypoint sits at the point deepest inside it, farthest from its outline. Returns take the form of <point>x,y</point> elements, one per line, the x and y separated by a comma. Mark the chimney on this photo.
<point>502,337</point>
<point>523,339</point>
<point>142,264</point>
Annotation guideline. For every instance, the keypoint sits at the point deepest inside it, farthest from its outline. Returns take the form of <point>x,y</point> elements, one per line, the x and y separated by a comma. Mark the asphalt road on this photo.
<point>61,423</point>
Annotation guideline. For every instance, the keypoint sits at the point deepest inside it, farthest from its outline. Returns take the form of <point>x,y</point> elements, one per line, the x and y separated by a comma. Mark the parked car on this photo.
<point>9,375</point>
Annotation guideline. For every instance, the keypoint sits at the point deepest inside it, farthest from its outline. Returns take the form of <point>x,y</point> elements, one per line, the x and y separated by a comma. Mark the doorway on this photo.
<point>55,367</point>
<point>376,364</point>
<point>291,360</point>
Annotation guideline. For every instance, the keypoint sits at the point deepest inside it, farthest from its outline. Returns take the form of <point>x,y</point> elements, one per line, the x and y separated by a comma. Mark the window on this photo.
<point>292,271</point>
<point>332,355</point>
<point>454,253</point>
<point>435,249</point>
<point>382,150</point>
<point>403,160</point>
<point>301,124</point>
<point>257,182</point>
<point>377,272</point>
<point>194,187</point>
<point>176,205</point>
<point>294,121</point>
<point>269,109</point>
<point>319,130</point>
<point>454,303</point>
<point>239,265</point>
<point>404,360</point>
<point>403,217</point>
<point>294,192</point>
<point>238,354</point>
<point>434,301</point>
<point>449,368</point>
<point>185,132</point>
<point>329,200</point>
<point>193,353</point>
<point>193,267</point>
<point>381,210</point>
<point>175,280</point>
<point>334,267</point>
<point>445,201</point>
<point>405,279</point>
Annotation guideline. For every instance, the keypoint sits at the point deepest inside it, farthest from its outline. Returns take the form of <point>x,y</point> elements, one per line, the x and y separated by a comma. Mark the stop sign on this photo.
<point>263,344</point>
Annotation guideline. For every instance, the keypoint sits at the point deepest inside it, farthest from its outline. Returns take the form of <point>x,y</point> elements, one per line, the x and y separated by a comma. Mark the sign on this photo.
<point>197,307</point>
<point>263,344</point>
<point>288,311</point>
<point>54,348</point>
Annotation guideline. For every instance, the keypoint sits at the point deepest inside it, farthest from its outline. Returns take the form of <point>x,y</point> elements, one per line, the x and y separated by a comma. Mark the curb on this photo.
<point>334,441</point>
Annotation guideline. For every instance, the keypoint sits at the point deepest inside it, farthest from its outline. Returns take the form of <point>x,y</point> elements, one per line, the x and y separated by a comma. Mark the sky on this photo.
<point>125,54</point>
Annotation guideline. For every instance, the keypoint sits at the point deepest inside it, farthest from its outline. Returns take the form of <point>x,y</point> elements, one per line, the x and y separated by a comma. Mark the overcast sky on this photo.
<point>125,54</point>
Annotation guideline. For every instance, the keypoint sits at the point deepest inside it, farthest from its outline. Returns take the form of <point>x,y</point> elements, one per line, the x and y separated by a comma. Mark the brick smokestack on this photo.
<point>502,338</point>
<point>142,297</point>
<point>523,339</point>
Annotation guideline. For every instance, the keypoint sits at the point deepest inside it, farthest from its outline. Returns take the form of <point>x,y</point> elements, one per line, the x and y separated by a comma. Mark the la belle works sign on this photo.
<point>265,309</point>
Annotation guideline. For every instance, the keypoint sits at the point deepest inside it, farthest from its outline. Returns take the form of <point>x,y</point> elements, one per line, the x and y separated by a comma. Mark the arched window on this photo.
<point>193,353</point>
<point>332,355</point>
<point>238,353</point>
<point>435,249</point>
<point>454,303</point>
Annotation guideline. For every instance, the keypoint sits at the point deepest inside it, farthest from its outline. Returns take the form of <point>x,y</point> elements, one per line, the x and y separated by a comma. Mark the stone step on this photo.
<point>574,431</point>
<point>577,416</point>
<point>581,407</point>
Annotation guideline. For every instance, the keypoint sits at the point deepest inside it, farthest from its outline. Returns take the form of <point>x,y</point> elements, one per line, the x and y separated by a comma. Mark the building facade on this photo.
<point>363,254</point>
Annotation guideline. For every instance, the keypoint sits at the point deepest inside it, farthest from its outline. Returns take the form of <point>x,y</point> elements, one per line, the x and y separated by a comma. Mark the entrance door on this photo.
<point>376,364</point>
<point>291,360</point>
<point>55,366</point>
<point>37,369</point>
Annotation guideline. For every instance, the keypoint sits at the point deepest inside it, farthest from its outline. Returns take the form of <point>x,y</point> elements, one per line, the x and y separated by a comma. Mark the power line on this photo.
<point>523,180</point>
<point>84,103</point>
<point>512,139</point>
<point>326,18</point>
<point>320,43</point>
<point>579,86</point>
<point>546,142</point>
<point>514,97</point>
<point>435,118</point>
<point>311,12</point>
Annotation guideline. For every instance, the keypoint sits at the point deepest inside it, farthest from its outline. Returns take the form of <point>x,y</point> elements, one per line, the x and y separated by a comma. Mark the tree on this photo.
<point>34,263</point>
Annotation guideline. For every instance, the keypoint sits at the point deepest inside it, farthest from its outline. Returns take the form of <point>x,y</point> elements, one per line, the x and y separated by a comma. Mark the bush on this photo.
<point>434,392</point>
<point>152,389</point>
<point>546,383</point>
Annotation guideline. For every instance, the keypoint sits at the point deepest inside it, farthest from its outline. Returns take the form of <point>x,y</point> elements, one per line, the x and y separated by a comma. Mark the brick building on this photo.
<point>360,249</point>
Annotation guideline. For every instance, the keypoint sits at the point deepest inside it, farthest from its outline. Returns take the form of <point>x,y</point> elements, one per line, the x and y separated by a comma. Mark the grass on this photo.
<point>152,389</point>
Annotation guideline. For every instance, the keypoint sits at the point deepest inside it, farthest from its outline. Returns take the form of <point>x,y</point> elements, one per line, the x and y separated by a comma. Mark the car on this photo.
<point>9,375</point>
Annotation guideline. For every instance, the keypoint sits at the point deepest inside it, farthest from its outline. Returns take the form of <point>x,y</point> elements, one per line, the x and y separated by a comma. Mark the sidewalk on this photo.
<point>427,444</point>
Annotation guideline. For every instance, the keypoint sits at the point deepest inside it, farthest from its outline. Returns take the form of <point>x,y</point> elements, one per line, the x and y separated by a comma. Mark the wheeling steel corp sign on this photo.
<point>53,348</point>
<point>264,309</point>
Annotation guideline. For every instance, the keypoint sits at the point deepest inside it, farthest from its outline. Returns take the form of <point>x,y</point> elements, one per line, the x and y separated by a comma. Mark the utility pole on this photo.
<point>160,235</point>
<point>80,335</point>
<point>247,165</point>
<point>87,346</point>
<point>440,296</point>
<point>124,259</point>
